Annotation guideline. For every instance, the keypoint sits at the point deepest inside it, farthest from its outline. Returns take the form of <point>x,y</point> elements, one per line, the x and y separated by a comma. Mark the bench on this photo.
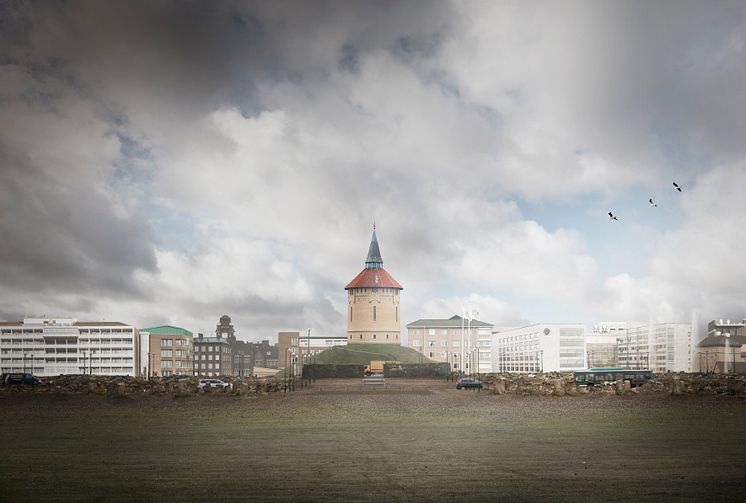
<point>374,381</point>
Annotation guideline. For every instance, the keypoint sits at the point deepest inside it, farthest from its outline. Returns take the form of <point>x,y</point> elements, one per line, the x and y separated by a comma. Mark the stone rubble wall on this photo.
<point>669,383</point>
<point>133,387</point>
<point>555,384</point>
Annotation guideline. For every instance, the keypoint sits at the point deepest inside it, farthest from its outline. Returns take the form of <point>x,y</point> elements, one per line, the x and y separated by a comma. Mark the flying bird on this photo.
<point>677,186</point>
<point>611,216</point>
<point>652,204</point>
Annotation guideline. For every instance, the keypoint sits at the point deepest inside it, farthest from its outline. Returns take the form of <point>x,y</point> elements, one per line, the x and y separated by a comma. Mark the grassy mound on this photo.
<point>363,354</point>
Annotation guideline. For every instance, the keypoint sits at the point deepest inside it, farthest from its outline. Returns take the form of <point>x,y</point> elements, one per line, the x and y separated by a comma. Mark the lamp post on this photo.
<point>541,361</point>
<point>286,371</point>
<point>448,362</point>
<point>476,357</point>
<point>461,347</point>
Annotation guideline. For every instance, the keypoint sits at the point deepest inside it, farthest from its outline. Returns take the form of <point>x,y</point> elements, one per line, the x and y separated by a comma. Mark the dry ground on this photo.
<point>335,442</point>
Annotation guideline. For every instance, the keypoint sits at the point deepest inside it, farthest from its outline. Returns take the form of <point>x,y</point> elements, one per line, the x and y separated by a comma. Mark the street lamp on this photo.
<point>725,354</point>
<point>476,358</point>
<point>150,365</point>
<point>541,360</point>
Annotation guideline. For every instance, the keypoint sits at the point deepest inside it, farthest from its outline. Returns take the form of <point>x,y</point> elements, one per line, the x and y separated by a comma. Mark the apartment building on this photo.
<point>166,351</point>
<point>54,346</point>
<point>462,342</point>
<point>213,356</point>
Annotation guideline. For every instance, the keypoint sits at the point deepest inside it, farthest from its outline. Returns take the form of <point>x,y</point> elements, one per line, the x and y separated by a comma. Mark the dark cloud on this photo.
<point>301,122</point>
<point>65,235</point>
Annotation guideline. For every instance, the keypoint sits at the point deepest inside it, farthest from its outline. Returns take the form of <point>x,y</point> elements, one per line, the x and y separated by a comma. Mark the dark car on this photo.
<point>468,383</point>
<point>19,378</point>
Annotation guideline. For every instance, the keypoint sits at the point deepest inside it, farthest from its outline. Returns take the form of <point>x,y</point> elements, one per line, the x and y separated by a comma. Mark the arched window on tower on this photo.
<point>350,313</point>
<point>374,313</point>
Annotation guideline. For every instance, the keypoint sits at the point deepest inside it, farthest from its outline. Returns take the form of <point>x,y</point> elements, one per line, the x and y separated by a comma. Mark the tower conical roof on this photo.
<point>374,260</point>
<point>374,275</point>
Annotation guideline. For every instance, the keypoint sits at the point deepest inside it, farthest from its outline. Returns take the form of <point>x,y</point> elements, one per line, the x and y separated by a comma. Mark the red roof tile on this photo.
<point>373,278</point>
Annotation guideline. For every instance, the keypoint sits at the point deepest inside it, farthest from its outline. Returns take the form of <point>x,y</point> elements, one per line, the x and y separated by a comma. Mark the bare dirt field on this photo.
<point>337,442</point>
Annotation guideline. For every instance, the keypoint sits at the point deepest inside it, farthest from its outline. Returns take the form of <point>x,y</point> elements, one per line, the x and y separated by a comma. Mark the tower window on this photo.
<point>374,336</point>
<point>361,336</point>
<point>374,290</point>
<point>374,313</point>
<point>350,313</point>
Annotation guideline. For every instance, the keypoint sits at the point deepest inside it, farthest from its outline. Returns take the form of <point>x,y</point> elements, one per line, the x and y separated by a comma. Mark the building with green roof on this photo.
<point>166,351</point>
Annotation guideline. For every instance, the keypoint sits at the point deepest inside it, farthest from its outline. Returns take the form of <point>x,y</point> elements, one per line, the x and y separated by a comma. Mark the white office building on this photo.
<point>54,346</point>
<point>539,348</point>
<point>660,347</point>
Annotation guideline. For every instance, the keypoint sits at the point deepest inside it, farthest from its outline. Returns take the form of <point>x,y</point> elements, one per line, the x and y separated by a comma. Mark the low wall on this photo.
<point>133,386</point>
<point>669,383</point>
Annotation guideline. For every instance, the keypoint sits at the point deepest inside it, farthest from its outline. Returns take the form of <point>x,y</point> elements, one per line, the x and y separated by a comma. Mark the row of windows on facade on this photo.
<point>34,361</point>
<point>175,342</point>
<point>375,313</point>
<point>207,357</point>
<point>207,366</point>
<point>395,291</point>
<point>209,349</point>
<point>375,336</point>
<point>67,370</point>
<point>177,363</point>
<point>64,342</point>
<point>51,351</point>
<point>67,330</point>
<point>444,344</point>
<point>417,332</point>
<point>448,354</point>
<point>179,353</point>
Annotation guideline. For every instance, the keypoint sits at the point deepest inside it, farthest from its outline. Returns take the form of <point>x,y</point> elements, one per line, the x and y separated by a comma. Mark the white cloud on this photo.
<point>278,134</point>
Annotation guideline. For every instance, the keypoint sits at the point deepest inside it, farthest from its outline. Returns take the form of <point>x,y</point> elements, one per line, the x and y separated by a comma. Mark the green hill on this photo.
<point>363,354</point>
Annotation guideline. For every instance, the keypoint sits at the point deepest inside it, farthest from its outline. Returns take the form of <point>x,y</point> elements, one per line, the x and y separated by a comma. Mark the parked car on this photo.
<point>468,383</point>
<point>19,378</point>
<point>214,383</point>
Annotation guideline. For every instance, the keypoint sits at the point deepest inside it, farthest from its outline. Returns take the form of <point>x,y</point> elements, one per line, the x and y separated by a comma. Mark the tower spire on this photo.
<point>374,260</point>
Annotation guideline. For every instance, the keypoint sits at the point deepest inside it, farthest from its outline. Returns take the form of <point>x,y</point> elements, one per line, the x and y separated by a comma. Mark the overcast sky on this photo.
<point>170,162</point>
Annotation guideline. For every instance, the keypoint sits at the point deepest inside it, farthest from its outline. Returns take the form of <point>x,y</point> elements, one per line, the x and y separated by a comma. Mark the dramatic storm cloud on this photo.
<point>169,162</point>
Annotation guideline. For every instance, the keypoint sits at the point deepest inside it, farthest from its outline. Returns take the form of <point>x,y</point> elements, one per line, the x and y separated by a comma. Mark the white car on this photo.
<point>213,383</point>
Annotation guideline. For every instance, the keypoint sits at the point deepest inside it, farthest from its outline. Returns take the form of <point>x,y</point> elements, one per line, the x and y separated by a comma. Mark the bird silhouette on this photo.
<point>652,204</point>
<point>611,216</point>
<point>677,186</point>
